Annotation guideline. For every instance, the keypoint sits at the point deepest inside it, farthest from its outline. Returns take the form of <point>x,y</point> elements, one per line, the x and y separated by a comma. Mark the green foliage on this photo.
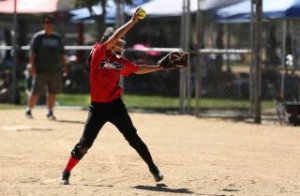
<point>89,3</point>
<point>85,3</point>
<point>99,19</point>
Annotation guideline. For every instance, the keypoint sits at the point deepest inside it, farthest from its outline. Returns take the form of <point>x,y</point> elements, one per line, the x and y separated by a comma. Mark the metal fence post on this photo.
<point>15,56</point>
<point>257,60</point>
<point>185,43</point>
<point>198,87</point>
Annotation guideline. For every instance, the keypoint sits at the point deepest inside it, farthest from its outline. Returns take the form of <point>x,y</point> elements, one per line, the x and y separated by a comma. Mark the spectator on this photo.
<point>6,87</point>
<point>46,56</point>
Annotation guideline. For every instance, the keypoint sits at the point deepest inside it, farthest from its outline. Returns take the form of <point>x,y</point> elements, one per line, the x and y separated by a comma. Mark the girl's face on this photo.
<point>119,48</point>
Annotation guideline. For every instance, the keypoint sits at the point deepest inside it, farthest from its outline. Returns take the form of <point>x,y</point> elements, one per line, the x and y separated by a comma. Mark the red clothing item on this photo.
<point>105,74</point>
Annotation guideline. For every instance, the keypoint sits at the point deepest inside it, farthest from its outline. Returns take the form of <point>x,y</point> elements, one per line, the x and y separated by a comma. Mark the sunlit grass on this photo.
<point>150,102</point>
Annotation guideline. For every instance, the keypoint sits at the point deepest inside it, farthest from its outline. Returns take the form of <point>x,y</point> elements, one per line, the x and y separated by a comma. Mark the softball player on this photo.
<point>105,66</point>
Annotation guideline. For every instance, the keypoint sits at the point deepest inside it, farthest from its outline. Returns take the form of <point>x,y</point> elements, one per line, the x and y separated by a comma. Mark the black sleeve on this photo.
<point>34,44</point>
<point>61,46</point>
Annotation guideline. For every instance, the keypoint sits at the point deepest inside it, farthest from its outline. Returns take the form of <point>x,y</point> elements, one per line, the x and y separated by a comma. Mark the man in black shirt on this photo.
<point>47,55</point>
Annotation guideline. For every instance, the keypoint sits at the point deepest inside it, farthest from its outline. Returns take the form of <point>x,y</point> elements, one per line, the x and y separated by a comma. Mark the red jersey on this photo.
<point>105,74</point>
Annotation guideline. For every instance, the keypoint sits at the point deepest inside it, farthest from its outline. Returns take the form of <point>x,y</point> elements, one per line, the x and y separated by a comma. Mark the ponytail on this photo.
<point>87,68</point>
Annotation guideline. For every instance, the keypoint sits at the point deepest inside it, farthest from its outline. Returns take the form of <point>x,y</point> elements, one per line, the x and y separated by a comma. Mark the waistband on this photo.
<point>119,100</point>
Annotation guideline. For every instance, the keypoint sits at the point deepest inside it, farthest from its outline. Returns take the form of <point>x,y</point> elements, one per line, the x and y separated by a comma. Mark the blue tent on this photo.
<point>272,10</point>
<point>284,9</point>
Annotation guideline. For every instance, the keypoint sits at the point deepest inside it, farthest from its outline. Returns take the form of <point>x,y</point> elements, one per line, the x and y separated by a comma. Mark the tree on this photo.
<point>99,19</point>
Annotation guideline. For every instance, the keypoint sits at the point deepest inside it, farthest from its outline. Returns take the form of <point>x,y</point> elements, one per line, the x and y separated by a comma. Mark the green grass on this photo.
<point>6,106</point>
<point>143,101</point>
<point>149,102</point>
<point>73,99</point>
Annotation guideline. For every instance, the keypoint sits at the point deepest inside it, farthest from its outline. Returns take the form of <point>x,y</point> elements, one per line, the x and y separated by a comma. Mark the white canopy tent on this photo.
<point>34,6</point>
<point>175,7</point>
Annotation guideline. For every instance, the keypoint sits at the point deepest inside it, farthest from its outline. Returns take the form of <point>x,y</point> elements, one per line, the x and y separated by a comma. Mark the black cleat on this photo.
<point>51,116</point>
<point>157,175</point>
<point>28,114</point>
<point>65,178</point>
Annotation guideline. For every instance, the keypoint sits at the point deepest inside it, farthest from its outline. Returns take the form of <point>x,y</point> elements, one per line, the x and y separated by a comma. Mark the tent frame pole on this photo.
<point>257,60</point>
<point>14,98</point>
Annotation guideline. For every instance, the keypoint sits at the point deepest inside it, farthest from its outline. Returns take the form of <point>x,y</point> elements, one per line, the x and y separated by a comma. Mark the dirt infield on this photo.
<point>197,157</point>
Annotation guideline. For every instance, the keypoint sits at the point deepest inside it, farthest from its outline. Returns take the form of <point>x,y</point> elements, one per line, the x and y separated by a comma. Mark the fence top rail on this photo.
<point>201,51</point>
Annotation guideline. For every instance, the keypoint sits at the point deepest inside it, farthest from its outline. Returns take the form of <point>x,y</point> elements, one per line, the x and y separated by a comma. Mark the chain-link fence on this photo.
<point>225,83</point>
<point>225,76</point>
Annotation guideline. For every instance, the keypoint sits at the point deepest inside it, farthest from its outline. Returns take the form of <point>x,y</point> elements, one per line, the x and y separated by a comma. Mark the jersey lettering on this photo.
<point>48,42</point>
<point>107,64</point>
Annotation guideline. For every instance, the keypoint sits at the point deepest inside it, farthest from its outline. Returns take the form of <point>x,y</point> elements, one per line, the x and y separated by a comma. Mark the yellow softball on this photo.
<point>142,13</point>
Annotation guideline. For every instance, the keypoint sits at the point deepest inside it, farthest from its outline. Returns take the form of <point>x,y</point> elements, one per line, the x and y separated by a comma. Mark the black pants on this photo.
<point>116,113</point>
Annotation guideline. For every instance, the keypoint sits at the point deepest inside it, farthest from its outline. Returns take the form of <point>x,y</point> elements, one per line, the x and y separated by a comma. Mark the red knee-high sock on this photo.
<point>71,163</point>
